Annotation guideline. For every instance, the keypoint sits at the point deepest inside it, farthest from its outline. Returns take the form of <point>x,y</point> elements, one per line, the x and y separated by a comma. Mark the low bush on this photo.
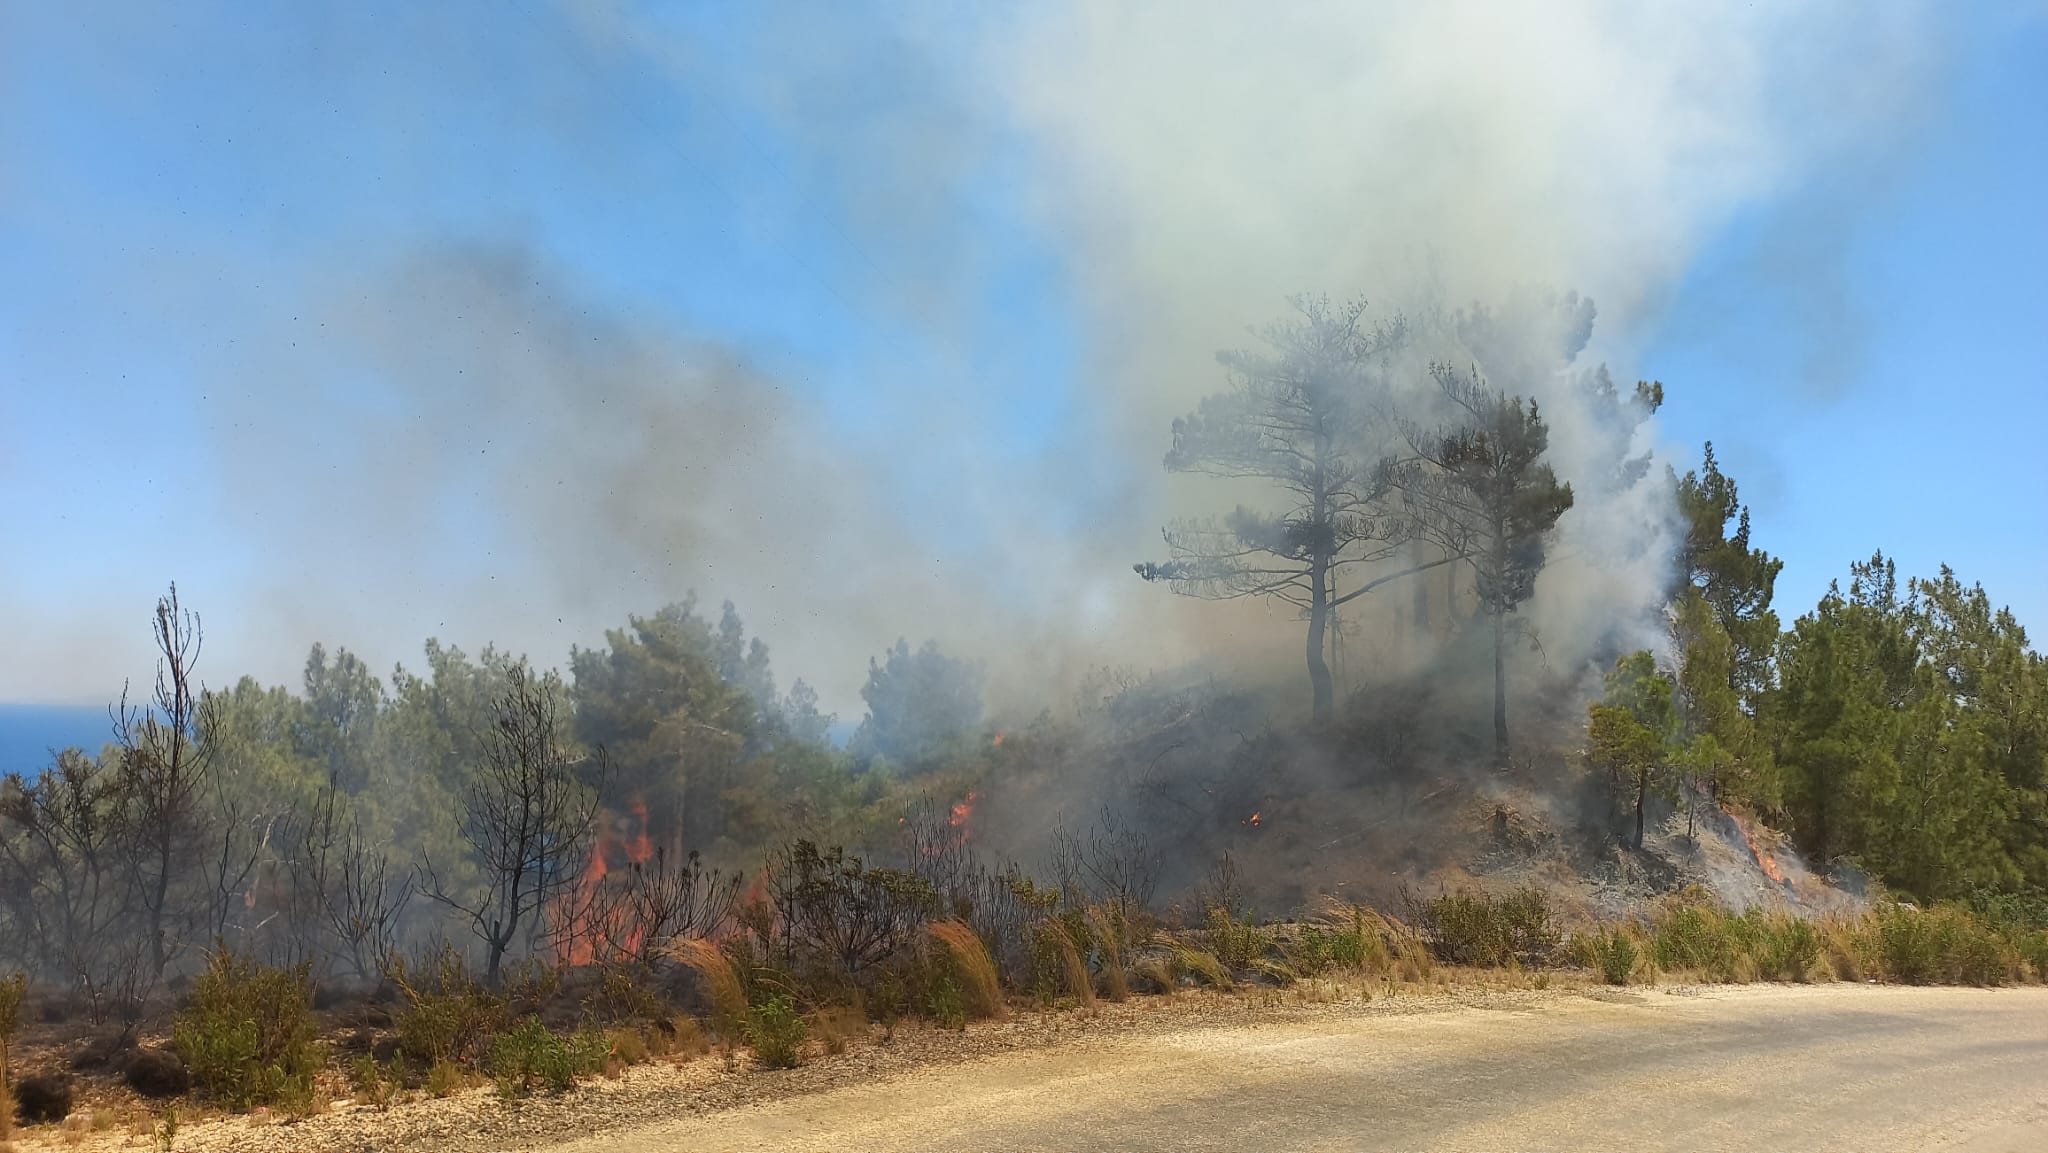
<point>1057,965</point>
<point>43,1099</point>
<point>777,1032</point>
<point>529,1056</point>
<point>1474,928</point>
<point>1236,943</point>
<point>447,1015</point>
<point>156,1073</point>
<point>247,1034</point>
<point>1614,954</point>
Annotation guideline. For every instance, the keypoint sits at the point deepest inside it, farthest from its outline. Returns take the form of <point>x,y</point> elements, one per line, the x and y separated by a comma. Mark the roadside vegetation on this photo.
<point>483,872</point>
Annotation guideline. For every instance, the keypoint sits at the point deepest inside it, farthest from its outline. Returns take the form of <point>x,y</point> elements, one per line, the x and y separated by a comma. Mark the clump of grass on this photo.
<point>1061,969</point>
<point>247,1034</point>
<point>972,968</point>
<point>6,1109</point>
<point>838,1027</point>
<point>1111,930</point>
<point>1236,943</point>
<point>444,1079</point>
<point>777,1032</point>
<point>627,1046</point>
<point>1204,967</point>
<point>720,981</point>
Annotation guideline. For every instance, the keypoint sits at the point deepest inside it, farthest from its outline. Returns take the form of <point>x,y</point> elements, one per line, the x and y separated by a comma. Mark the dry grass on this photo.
<point>973,968</point>
<point>721,982</point>
<point>6,1109</point>
<point>1073,970</point>
<point>837,1029</point>
<point>1110,930</point>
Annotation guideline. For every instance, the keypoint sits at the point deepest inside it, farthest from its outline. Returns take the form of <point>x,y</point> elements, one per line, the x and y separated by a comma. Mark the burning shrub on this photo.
<point>1472,928</point>
<point>247,1034</point>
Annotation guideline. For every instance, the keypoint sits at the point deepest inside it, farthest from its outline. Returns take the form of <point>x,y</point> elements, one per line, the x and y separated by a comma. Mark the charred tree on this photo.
<point>166,770</point>
<point>1308,415</point>
<point>528,817</point>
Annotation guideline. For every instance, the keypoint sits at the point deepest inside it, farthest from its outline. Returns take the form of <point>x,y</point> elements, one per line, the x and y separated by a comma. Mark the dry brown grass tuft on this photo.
<point>6,1109</point>
<point>973,968</point>
<point>1073,969</point>
<point>1109,928</point>
<point>721,982</point>
<point>839,1027</point>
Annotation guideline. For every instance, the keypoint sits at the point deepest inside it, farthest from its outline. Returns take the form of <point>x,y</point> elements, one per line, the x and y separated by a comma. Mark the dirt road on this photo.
<point>1830,1067</point>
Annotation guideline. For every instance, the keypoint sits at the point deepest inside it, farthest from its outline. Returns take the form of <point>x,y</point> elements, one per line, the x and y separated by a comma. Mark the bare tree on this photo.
<point>165,769</point>
<point>1488,497</point>
<point>67,883</point>
<point>1307,415</point>
<point>527,816</point>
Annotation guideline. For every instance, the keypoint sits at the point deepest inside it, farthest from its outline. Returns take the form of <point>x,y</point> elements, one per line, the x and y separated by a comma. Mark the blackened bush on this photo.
<point>156,1073</point>
<point>43,1099</point>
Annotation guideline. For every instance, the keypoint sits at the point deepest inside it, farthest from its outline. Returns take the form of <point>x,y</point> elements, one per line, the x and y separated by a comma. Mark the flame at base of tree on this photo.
<point>1764,860</point>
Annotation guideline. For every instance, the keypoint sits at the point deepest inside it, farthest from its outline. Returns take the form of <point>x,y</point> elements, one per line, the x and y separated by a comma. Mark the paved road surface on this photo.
<point>1852,1068</point>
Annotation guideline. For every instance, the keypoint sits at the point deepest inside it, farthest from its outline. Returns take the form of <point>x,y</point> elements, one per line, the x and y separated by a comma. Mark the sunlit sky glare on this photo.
<point>1865,345</point>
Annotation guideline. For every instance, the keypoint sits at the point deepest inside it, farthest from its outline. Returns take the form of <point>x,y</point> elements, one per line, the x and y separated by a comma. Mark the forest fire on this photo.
<point>622,841</point>
<point>960,815</point>
<point>1254,819</point>
<point>1764,860</point>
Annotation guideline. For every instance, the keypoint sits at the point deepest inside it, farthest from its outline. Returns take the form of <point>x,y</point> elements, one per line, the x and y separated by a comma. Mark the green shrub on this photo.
<point>447,1015</point>
<point>1236,943</point>
<point>948,1007</point>
<point>247,1034</point>
<point>777,1032</point>
<point>528,1056</point>
<point>1614,953</point>
<point>1474,928</point>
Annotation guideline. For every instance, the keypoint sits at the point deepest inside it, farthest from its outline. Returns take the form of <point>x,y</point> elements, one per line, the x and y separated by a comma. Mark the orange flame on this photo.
<point>961,813</point>
<point>624,837</point>
<point>998,741</point>
<point>1764,860</point>
<point>1252,820</point>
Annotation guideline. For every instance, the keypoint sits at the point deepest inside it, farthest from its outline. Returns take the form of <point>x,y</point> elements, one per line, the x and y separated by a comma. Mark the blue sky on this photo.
<point>1865,345</point>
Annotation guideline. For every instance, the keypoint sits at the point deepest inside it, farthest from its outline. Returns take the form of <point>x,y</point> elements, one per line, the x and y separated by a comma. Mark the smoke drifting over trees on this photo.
<point>1457,570</point>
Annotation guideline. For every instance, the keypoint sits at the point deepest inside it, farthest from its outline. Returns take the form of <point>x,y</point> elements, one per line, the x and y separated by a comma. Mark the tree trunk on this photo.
<point>1642,792</point>
<point>1500,688</point>
<point>1324,697</point>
